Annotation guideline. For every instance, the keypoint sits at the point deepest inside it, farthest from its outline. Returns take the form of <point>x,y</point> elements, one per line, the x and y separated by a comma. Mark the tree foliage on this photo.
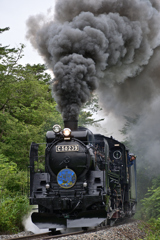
<point>12,211</point>
<point>27,112</point>
<point>26,105</point>
<point>14,203</point>
<point>12,180</point>
<point>151,202</point>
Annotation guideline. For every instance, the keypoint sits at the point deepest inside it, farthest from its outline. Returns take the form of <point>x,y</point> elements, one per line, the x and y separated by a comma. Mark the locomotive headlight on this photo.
<point>85,184</point>
<point>66,132</point>
<point>56,128</point>
<point>47,186</point>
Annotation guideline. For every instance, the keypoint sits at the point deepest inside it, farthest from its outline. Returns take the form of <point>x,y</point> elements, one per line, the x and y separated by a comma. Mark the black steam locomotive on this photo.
<point>88,179</point>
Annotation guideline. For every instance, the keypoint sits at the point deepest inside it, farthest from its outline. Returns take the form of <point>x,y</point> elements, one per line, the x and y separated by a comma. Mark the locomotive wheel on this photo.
<point>85,228</point>
<point>53,230</point>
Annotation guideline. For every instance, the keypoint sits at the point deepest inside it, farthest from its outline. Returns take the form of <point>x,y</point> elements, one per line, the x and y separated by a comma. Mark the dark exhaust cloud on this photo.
<point>103,45</point>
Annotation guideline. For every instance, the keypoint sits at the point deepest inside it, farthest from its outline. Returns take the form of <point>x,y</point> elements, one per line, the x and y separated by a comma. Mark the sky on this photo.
<point>13,14</point>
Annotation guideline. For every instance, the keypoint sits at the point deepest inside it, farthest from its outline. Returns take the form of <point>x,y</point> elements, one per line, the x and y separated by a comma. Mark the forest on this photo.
<point>27,111</point>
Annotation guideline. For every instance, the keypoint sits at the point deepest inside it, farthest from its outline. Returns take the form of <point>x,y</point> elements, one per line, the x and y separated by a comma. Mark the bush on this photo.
<point>12,181</point>
<point>12,210</point>
<point>14,203</point>
<point>151,202</point>
<point>150,211</point>
<point>152,229</point>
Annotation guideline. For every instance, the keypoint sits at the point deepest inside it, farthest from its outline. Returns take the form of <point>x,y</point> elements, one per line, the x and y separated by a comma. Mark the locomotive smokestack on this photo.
<point>72,124</point>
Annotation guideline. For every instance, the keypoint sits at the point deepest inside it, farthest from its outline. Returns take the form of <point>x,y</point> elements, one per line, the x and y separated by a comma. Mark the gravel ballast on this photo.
<point>128,231</point>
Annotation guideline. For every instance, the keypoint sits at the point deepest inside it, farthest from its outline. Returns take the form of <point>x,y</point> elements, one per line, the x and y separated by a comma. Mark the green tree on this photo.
<point>151,202</point>
<point>27,111</point>
<point>14,203</point>
<point>150,210</point>
<point>12,181</point>
<point>26,105</point>
<point>12,210</point>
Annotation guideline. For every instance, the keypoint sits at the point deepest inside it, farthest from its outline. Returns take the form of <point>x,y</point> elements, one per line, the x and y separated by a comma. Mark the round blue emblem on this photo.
<point>66,178</point>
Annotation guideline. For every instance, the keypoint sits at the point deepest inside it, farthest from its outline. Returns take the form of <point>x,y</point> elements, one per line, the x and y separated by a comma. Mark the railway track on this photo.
<point>47,235</point>
<point>58,234</point>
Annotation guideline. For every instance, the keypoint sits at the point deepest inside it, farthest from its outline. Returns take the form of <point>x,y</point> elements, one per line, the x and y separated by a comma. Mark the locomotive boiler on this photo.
<point>88,179</point>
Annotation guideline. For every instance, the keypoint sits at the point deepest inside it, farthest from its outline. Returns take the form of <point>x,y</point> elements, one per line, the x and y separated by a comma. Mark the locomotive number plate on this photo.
<point>67,148</point>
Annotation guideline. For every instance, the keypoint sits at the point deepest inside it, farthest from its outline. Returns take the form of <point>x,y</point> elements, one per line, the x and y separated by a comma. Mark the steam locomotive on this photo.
<point>88,179</point>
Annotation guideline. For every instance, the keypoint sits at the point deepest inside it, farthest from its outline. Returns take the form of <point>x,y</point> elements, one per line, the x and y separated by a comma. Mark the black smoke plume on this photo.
<point>102,45</point>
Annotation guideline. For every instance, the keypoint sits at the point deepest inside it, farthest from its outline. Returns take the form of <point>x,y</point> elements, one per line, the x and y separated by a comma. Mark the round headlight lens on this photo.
<point>47,186</point>
<point>85,184</point>
<point>66,132</point>
<point>56,128</point>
